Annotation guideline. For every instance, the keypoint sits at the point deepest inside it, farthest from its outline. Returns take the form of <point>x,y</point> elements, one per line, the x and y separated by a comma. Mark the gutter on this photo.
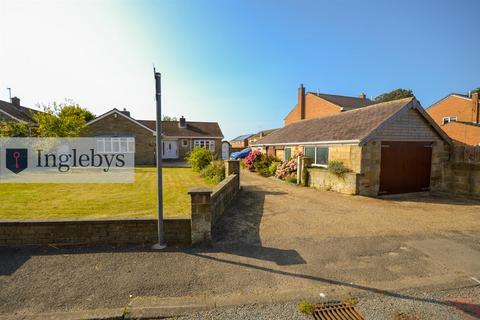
<point>308,143</point>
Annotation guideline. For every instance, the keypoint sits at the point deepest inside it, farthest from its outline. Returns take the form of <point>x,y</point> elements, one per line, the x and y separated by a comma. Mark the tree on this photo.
<point>168,118</point>
<point>477,90</point>
<point>394,95</point>
<point>14,129</point>
<point>66,119</point>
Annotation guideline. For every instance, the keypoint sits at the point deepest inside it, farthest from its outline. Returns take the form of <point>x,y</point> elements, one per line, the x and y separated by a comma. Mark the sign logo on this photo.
<point>16,160</point>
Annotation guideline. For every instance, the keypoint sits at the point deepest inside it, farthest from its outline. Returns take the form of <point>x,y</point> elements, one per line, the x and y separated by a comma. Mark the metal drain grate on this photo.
<point>336,311</point>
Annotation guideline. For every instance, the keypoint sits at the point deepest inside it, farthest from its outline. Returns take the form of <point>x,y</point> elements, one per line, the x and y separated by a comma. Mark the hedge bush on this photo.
<point>199,158</point>
<point>214,172</point>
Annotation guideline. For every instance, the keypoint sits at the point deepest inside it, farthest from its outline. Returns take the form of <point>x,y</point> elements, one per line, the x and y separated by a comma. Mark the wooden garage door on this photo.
<point>405,167</point>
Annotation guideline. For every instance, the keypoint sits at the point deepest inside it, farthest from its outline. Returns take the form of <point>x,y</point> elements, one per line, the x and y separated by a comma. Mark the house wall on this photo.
<point>464,133</point>
<point>323,179</point>
<point>315,107</point>
<point>453,106</point>
<point>120,126</point>
<point>239,144</point>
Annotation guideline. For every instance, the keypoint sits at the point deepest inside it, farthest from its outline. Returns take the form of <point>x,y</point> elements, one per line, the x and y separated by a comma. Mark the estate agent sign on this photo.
<point>67,160</point>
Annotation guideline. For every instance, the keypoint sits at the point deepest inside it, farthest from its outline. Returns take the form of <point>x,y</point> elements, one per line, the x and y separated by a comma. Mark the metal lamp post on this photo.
<point>158,96</point>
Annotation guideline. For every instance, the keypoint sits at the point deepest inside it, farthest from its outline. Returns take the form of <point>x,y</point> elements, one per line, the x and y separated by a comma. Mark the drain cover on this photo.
<point>336,311</point>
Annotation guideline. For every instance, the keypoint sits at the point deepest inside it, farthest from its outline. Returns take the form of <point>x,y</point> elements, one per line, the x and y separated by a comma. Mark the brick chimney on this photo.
<point>476,107</point>
<point>182,123</point>
<point>16,101</point>
<point>301,101</point>
<point>125,112</point>
<point>362,95</point>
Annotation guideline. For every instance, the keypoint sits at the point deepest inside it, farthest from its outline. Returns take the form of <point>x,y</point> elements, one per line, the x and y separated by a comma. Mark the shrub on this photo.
<point>214,172</point>
<point>337,167</point>
<point>273,168</point>
<point>292,178</point>
<point>286,168</point>
<point>250,160</point>
<point>262,165</point>
<point>199,158</point>
<point>306,307</point>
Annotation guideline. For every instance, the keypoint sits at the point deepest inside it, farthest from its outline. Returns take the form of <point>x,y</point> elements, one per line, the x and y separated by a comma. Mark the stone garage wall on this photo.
<point>92,232</point>
<point>460,179</point>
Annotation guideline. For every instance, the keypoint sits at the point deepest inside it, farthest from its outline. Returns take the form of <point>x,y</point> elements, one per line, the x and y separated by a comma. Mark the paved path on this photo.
<point>278,240</point>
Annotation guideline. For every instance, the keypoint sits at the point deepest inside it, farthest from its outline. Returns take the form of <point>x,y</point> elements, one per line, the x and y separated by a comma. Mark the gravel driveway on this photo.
<point>277,238</point>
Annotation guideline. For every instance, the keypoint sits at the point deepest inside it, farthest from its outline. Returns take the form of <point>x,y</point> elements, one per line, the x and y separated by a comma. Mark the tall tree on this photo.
<point>66,119</point>
<point>394,95</point>
<point>168,118</point>
<point>14,129</point>
<point>477,90</point>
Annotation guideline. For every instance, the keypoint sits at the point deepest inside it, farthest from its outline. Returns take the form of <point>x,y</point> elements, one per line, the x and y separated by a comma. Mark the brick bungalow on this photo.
<point>459,116</point>
<point>390,147</point>
<point>312,105</point>
<point>178,137</point>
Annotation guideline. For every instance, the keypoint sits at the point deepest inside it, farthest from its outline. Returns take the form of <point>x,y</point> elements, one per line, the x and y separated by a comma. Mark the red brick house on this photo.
<point>312,105</point>
<point>459,116</point>
<point>241,142</point>
<point>178,137</point>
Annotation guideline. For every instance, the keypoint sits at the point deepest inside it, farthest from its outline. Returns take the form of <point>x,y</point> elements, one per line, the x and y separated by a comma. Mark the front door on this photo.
<point>169,149</point>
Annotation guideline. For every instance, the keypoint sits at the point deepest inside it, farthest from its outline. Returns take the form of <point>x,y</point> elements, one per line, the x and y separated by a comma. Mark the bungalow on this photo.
<point>178,137</point>
<point>459,116</point>
<point>13,111</point>
<point>390,147</point>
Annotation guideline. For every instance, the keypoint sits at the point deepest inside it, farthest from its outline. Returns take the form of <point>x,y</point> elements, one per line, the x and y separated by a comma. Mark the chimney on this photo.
<point>125,112</point>
<point>16,101</point>
<point>476,107</point>
<point>182,123</point>
<point>363,95</point>
<point>301,101</point>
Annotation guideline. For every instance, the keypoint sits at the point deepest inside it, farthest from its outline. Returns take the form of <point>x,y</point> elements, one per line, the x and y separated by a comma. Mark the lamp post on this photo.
<point>158,97</point>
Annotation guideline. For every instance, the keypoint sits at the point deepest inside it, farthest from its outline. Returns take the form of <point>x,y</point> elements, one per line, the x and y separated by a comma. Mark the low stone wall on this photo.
<point>461,179</point>
<point>92,232</point>
<point>324,180</point>
<point>209,205</point>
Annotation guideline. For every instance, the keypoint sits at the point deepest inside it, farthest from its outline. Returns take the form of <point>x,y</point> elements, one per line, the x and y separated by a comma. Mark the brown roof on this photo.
<point>349,103</point>
<point>21,113</point>
<point>346,126</point>
<point>193,129</point>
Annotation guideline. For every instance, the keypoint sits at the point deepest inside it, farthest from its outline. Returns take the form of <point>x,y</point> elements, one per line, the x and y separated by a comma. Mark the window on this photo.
<point>287,154</point>
<point>207,144</point>
<point>116,145</point>
<point>449,119</point>
<point>319,155</point>
<point>184,143</point>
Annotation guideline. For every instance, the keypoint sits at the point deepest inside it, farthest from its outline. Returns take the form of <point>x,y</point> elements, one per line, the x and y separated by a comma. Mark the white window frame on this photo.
<point>449,119</point>
<point>207,144</point>
<point>113,145</point>
<point>315,164</point>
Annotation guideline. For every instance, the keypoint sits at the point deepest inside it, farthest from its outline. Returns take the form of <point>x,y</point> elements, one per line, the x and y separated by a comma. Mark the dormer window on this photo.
<point>449,119</point>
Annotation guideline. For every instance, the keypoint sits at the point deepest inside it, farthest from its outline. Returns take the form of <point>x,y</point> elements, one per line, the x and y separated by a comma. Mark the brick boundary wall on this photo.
<point>209,205</point>
<point>93,232</point>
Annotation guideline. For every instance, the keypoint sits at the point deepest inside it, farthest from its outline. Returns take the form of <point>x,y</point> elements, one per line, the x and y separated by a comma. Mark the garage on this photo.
<point>405,167</point>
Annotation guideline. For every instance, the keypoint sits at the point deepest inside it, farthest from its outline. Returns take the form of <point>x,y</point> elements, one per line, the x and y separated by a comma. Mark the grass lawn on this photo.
<point>98,201</point>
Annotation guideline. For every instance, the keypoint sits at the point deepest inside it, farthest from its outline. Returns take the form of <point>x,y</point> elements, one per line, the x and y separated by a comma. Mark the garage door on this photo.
<point>405,167</point>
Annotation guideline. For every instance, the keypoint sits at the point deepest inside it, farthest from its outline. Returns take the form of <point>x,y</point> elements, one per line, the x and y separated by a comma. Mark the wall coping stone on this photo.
<point>201,191</point>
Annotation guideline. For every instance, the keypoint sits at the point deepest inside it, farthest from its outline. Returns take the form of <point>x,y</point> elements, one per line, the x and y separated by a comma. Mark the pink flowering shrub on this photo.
<point>250,160</point>
<point>288,169</point>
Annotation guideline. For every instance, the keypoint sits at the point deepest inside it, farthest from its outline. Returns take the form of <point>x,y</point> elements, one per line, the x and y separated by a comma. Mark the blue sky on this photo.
<point>235,62</point>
